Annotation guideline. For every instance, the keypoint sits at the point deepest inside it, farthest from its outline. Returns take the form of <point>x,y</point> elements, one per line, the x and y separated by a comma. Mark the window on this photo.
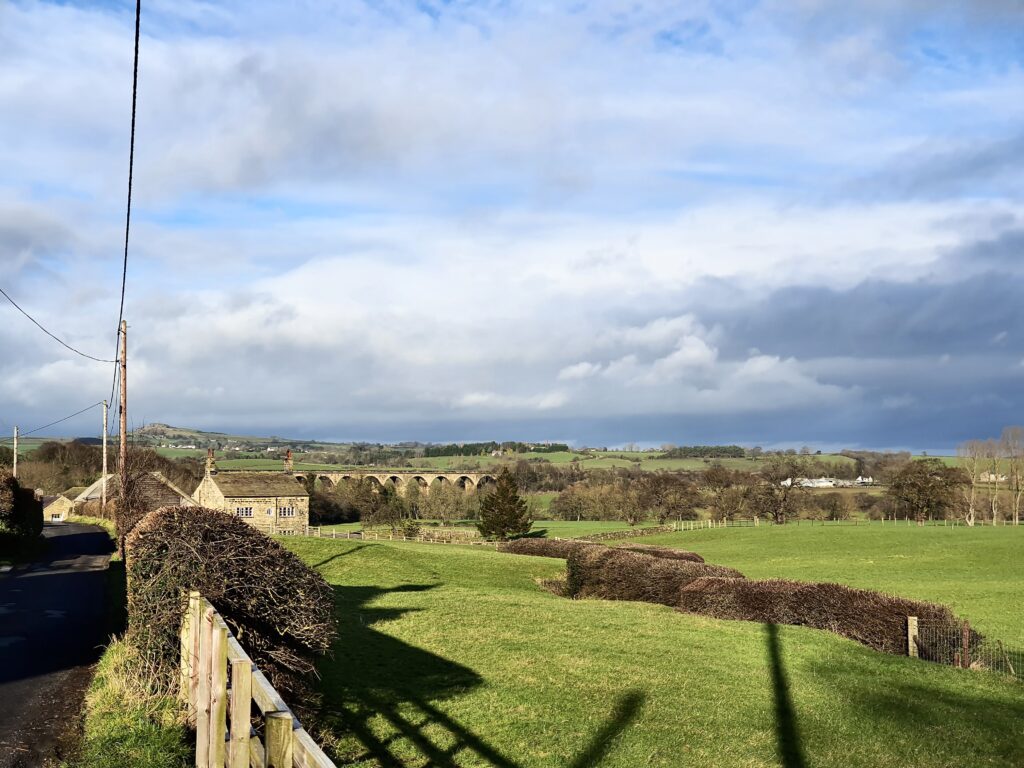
<point>243,511</point>
<point>287,512</point>
<point>55,516</point>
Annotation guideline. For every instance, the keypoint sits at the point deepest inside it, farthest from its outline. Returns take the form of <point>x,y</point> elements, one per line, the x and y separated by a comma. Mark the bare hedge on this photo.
<point>280,609</point>
<point>872,618</point>
<point>664,552</point>
<point>561,548</point>
<point>615,574</point>
<point>21,513</point>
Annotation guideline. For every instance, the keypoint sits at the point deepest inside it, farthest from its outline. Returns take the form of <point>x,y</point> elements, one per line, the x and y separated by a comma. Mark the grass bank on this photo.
<point>455,656</point>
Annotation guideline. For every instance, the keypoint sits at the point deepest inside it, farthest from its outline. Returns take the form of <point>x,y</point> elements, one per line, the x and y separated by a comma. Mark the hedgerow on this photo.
<point>615,574</point>
<point>278,608</point>
<point>872,618</point>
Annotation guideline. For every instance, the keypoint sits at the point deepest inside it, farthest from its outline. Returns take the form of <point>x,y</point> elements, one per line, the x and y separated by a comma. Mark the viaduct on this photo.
<point>401,479</point>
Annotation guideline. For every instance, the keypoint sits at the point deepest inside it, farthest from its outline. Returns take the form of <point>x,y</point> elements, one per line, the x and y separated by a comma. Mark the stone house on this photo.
<point>59,507</point>
<point>273,502</point>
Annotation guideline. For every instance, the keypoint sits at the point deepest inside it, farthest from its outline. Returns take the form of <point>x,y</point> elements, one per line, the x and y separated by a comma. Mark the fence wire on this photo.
<point>958,645</point>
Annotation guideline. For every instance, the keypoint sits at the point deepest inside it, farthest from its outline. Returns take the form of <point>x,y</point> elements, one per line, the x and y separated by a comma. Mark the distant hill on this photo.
<point>165,433</point>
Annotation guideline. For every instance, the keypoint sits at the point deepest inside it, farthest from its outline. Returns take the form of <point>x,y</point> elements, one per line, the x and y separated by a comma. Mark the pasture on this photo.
<point>455,656</point>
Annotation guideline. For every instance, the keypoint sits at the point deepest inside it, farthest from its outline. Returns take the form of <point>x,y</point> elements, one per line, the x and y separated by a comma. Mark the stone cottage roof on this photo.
<point>157,491</point>
<point>249,484</point>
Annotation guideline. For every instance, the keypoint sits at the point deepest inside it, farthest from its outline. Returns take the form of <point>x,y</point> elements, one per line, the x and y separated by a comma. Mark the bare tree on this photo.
<point>992,452</point>
<point>971,458</point>
<point>1013,452</point>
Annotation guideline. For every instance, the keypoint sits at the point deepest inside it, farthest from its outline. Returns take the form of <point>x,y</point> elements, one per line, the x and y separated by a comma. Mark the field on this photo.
<point>453,655</point>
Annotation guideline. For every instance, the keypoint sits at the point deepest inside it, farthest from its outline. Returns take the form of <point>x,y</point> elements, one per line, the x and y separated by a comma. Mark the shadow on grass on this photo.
<point>375,675</point>
<point>786,733</point>
<point>337,556</point>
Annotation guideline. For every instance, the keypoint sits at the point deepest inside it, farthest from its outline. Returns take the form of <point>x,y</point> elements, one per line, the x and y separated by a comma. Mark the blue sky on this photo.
<point>763,222</point>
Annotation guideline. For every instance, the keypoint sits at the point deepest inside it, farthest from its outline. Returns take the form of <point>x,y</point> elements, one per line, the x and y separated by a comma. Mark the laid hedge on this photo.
<point>872,618</point>
<point>664,552</point>
<point>21,513</point>
<point>279,609</point>
<point>616,574</point>
<point>560,548</point>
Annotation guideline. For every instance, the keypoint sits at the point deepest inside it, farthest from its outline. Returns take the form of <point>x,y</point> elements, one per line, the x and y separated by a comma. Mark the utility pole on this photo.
<point>103,501</point>
<point>123,457</point>
<point>15,452</point>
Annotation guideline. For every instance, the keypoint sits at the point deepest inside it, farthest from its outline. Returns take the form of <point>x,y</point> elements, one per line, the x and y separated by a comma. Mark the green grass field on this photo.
<point>454,656</point>
<point>976,571</point>
<point>553,529</point>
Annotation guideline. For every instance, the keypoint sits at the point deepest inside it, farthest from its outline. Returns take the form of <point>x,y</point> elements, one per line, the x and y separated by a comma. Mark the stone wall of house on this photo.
<point>272,515</point>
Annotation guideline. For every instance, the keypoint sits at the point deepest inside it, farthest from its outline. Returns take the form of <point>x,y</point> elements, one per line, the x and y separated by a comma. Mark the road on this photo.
<point>53,623</point>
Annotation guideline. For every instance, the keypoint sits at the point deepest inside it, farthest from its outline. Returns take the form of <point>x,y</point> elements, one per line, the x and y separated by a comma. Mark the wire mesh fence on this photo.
<point>958,645</point>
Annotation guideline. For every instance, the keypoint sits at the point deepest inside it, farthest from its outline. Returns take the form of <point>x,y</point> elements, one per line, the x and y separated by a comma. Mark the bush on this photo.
<point>876,620</point>
<point>279,608</point>
<point>21,513</point>
<point>666,553</point>
<point>614,574</point>
<point>543,547</point>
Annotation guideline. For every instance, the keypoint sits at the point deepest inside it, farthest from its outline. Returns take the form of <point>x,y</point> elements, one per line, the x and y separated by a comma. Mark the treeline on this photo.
<point>705,452</point>
<point>54,467</point>
<point>484,449</point>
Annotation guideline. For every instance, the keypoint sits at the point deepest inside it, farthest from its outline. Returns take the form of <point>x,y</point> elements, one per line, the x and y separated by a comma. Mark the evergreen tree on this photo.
<point>503,512</point>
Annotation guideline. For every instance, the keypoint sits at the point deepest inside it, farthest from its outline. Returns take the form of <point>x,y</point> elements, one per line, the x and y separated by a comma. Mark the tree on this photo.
<point>6,456</point>
<point>970,457</point>
<point>926,489</point>
<point>503,512</point>
<point>778,493</point>
<point>1013,449</point>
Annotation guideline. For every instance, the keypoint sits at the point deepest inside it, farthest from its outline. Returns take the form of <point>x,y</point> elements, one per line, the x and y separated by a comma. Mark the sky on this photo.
<point>772,223</point>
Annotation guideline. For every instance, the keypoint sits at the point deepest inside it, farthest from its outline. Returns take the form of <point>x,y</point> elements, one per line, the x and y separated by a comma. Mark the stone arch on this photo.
<point>374,482</point>
<point>394,481</point>
<point>484,481</point>
<point>465,482</point>
<point>440,480</point>
<point>326,482</point>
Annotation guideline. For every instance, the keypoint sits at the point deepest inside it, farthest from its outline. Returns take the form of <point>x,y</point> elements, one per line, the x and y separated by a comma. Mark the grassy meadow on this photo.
<point>455,656</point>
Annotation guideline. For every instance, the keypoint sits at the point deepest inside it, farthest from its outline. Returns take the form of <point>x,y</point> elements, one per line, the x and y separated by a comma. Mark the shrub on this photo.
<point>543,547</point>
<point>666,553</point>
<point>614,574</point>
<point>280,609</point>
<point>876,620</point>
<point>21,513</point>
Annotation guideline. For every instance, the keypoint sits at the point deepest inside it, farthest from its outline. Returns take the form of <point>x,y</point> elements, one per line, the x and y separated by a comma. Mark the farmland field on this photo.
<point>453,655</point>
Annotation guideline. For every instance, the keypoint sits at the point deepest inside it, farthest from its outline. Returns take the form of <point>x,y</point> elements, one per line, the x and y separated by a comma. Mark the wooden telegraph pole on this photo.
<point>15,451</point>
<point>123,426</point>
<point>103,498</point>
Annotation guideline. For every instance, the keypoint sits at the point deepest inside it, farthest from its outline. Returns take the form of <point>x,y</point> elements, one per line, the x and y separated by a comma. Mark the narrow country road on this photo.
<point>53,622</point>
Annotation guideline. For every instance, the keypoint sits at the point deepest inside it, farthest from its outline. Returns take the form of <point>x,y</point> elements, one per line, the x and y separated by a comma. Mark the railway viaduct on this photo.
<point>401,479</point>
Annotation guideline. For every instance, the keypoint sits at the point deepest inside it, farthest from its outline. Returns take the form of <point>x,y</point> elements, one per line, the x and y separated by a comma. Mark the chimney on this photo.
<point>211,464</point>
<point>289,465</point>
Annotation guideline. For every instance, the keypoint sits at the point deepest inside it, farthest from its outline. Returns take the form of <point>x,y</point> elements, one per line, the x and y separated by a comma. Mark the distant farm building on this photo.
<point>273,502</point>
<point>59,507</point>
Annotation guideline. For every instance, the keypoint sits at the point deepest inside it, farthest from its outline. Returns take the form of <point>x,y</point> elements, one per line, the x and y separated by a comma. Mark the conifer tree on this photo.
<point>503,512</point>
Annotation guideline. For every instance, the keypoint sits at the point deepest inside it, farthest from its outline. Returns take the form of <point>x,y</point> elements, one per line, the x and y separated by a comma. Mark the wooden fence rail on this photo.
<point>219,684</point>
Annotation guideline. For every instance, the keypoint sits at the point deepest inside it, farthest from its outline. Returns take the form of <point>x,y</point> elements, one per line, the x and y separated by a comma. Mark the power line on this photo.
<point>52,423</point>
<point>55,338</point>
<point>128,212</point>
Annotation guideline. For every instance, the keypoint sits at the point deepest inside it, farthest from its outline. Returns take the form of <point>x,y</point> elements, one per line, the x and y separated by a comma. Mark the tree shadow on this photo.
<point>337,556</point>
<point>786,732</point>
<point>380,676</point>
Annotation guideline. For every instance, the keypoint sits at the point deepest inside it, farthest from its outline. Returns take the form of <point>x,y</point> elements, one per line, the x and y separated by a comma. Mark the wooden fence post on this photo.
<point>279,739</point>
<point>187,628</point>
<point>241,710</point>
<point>195,608</point>
<point>912,636</point>
<point>203,697</point>
<point>218,692</point>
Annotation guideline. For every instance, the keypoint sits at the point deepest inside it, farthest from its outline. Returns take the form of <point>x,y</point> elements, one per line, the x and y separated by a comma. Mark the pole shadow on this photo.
<point>383,679</point>
<point>786,732</point>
